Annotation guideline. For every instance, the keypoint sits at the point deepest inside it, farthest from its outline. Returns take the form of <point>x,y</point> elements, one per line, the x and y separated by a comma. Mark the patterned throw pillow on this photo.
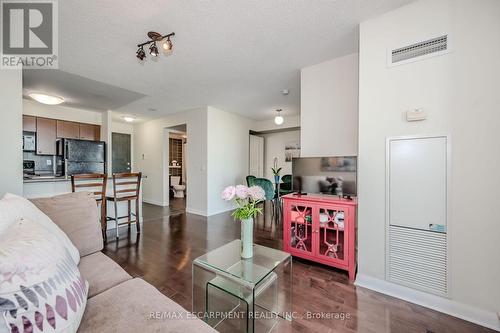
<point>41,288</point>
<point>13,208</point>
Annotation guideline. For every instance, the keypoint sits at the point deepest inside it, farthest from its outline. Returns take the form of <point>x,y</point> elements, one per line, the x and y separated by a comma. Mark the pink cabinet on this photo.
<point>321,228</point>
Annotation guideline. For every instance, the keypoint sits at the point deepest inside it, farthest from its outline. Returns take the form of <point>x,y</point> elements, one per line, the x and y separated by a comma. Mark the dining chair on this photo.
<point>126,187</point>
<point>270,194</point>
<point>286,185</point>
<point>250,179</point>
<point>96,183</point>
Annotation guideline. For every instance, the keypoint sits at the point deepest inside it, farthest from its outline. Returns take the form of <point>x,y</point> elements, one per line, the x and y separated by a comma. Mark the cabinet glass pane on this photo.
<point>331,233</point>
<point>301,228</point>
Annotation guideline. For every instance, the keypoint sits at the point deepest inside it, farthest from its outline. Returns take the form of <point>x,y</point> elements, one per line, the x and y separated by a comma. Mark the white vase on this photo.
<point>247,238</point>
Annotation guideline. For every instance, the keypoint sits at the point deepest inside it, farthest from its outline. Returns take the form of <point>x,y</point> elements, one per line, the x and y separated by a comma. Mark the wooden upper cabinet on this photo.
<point>29,123</point>
<point>90,132</point>
<point>45,136</point>
<point>68,129</point>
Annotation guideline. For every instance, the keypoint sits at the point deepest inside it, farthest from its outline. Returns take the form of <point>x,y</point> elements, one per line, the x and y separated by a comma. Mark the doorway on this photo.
<point>256,158</point>
<point>121,154</point>
<point>176,166</point>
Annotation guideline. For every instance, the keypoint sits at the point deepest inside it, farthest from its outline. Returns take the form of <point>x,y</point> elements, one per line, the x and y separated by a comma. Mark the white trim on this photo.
<point>453,308</point>
<point>224,210</point>
<point>195,212</point>
<point>154,202</point>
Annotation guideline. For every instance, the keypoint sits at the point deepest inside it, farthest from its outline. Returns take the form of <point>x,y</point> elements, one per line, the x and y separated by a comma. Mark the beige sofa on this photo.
<point>117,302</point>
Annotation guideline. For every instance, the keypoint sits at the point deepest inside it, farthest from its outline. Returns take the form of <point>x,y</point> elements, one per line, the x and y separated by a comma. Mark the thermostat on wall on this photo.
<point>416,115</point>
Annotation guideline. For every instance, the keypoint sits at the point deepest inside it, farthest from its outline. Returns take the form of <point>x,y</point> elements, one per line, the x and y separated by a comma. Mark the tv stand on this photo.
<point>321,228</point>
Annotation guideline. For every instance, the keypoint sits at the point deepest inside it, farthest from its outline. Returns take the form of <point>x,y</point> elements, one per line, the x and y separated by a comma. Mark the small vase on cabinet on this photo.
<point>247,238</point>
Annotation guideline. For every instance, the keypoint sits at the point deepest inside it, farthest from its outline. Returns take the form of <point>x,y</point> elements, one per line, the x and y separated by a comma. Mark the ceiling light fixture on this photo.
<point>128,119</point>
<point>167,45</point>
<point>153,50</point>
<point>140,53</point>
<point>155,37</point>
<point>46,99</point>
<point>278,120</point>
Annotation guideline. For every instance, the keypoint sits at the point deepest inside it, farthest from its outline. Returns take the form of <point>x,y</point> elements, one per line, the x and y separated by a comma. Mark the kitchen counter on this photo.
<point>46,179</point>
<point>47,187</point>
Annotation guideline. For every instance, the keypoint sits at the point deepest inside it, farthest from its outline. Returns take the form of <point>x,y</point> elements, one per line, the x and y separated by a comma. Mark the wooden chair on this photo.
<point>126,187</point>
<point>98,182</point>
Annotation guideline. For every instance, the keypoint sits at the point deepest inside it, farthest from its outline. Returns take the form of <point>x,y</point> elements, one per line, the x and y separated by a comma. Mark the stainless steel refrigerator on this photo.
<point>81,156</point>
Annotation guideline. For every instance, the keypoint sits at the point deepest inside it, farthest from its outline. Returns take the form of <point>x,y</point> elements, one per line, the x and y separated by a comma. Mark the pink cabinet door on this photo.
<point>331,233</point>
<point>299,236</point>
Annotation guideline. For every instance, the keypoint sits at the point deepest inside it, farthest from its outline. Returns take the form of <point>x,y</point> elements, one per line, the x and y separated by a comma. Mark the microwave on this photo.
<point>29,142</point>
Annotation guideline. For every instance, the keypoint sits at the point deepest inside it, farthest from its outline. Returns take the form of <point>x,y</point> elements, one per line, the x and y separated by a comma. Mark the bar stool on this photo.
<point>98,182</point>
<point>126,187</point>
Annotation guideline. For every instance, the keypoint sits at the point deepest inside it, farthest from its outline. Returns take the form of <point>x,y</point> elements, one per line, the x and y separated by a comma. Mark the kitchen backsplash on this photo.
<point>42,162</point>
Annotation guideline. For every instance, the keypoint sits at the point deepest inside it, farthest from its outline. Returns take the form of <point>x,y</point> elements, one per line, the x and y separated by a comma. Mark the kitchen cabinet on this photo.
<point>68,129</point>
<point>321,228</point>
<point>29,123</point>
<point>90,132</point>
<point>45,136</point>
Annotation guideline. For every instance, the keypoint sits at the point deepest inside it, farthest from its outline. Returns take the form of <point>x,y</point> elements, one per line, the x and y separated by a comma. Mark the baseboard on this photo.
<point>445,305</point>
<point>153,202</point>
<point>225,210</point>
<point>195,212</point>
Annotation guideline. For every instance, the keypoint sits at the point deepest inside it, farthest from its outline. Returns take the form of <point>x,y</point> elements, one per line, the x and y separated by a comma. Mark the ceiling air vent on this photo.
<point>429,48</point>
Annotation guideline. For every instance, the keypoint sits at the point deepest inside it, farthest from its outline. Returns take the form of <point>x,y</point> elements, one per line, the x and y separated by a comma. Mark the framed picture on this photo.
<point>292,150</point>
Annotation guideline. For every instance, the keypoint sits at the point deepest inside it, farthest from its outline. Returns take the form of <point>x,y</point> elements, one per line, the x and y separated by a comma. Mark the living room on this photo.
<point>393,101</point>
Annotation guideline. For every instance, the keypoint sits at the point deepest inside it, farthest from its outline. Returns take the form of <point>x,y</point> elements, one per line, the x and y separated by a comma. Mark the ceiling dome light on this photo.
<point>128,119</point>
<point>153,50</point>
<point>279,120</point>
<point>167,44</point>
<point>141,54</point>
<point>46,99</point>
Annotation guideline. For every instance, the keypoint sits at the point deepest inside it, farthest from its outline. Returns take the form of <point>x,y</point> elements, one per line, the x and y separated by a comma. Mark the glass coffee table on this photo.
<point>243,295</point>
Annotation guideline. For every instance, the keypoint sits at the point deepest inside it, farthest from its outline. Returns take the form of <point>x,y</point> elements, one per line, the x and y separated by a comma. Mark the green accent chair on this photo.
<point>286,185</point>
<point>250,180</point>
<point>267,186</point>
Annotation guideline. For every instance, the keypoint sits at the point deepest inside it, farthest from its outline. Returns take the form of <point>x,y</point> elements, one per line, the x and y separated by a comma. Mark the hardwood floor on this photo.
<point>162,255</point>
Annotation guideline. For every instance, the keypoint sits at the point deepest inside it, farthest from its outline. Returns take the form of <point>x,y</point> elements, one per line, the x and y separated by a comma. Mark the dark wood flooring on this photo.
<point>162,255</point>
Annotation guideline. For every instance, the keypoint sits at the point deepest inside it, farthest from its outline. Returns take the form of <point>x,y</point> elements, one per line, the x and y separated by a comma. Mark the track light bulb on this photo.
<point>153,50</point>
<point>279,120</point>
<point>140,53</point>
<point>167,45</point>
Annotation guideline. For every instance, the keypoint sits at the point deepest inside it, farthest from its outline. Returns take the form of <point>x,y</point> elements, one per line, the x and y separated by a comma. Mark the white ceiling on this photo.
<point>236,55</point>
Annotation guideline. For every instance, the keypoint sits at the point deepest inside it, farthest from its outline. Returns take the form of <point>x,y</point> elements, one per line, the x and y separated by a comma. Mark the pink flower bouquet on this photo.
<point>246,198</point>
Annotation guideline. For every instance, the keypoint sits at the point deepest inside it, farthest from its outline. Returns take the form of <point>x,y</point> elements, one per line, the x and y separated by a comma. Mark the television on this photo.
<point>325,175</point>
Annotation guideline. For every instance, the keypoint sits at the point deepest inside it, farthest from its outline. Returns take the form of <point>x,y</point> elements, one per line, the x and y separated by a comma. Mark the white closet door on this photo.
<point>417,178</point>
<point>256,167</point>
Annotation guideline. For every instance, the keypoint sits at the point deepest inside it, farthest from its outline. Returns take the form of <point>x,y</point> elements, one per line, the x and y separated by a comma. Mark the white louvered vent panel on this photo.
<point>418,259</point>
<point>434,46</point>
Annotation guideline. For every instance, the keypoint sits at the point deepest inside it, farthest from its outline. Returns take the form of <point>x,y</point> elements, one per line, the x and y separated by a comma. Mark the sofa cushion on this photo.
<point>13,208</point>
<point>76,214</point>
<point>137,306</point>
<point>101,272</point>
<point>41,288</point>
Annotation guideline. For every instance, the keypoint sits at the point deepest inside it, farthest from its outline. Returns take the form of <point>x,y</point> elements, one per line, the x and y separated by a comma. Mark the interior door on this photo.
<point>256,158</point>
<point>121,152</point>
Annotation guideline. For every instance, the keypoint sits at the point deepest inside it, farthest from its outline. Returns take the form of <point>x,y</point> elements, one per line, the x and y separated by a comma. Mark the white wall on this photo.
<point>269,125</point>
<point>11,107</point>
<point>459,91</point>
<point>329,107</point>
<point>228,153</point>
<point>274,146</point>
<point>150,155</point>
